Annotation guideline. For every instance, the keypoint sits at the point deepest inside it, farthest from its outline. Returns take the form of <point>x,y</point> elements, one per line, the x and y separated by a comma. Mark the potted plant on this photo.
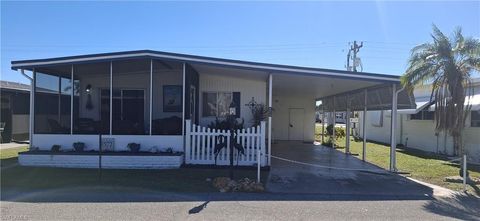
<point>134,147</point>
<point>55,148</point>
<point>79,146</point>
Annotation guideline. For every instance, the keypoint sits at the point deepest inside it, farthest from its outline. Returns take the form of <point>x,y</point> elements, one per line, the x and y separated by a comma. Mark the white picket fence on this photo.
<point>201,141</point>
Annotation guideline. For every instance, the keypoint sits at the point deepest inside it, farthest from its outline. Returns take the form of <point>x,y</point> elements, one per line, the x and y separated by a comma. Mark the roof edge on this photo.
<point>19,64</point>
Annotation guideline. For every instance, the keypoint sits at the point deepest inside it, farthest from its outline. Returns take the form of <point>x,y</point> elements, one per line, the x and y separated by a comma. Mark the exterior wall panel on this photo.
<point>248,88</point>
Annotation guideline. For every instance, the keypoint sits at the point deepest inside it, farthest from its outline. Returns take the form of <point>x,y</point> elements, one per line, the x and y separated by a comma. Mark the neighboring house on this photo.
<point>15,108</point>
<point>165,101</point>
<point>416,127</point>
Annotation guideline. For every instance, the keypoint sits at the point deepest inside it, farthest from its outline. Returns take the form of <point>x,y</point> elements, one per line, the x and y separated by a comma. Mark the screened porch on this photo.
<point>132,100</point>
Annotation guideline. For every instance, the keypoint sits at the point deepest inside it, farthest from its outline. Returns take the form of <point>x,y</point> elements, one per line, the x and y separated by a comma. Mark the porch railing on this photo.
<point>200,145</point>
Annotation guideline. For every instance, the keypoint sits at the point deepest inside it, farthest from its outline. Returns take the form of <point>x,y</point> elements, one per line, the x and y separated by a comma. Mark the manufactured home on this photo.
<point>416,127</point>
<point>14,111</point>
<point>168,103</point>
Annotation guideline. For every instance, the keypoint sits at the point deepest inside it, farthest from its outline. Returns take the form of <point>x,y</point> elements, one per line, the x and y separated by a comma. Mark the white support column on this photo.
<point>151,98</point>
<point>334,121</point>
<point>364,148</point>
<point>347,128</point>
<point>323,122</point>
<point>71,101</point>
<point>32,107</point>
<point>393,142</point>
<point>183,102</point>
<point>111,96</point>
<point>270,90</point>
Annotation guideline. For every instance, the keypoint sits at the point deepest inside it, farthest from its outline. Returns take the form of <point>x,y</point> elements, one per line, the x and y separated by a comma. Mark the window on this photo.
<point>217,104</point>
<point>128,110</point>
<point>423,115</point>
<point>376,118</point>
<point>475,119</point>
<point>52,103</point>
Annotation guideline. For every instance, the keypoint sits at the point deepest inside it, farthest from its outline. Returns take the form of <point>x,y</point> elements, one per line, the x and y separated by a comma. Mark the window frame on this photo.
<point>476,120</point>
<point>216,103</point>
<point>422,115</point>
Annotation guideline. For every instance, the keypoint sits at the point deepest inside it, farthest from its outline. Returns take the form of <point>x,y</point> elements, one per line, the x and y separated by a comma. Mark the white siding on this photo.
<point>248,88</point>
<point>280,118</point>
<point>46,141</point>
<point>421,135</point>
<point>162,142</point>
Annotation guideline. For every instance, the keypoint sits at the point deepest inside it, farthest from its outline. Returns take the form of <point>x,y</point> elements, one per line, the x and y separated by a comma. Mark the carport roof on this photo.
<point>30,64</point>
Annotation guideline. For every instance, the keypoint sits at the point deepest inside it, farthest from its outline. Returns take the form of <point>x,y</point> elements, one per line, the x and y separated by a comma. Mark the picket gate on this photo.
<point>200,145</point>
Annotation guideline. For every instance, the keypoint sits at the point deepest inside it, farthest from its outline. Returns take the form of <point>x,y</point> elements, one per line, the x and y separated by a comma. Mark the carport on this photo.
<point>338,91</point>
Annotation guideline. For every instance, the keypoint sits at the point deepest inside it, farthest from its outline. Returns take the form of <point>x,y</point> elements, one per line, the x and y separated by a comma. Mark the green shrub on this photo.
<point>339,133</point>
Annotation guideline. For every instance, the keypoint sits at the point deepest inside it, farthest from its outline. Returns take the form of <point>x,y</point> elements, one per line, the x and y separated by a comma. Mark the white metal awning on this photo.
<point>378,98</point>
<point>420,105</point>
<point>423,103</point>
<point>473,101</point>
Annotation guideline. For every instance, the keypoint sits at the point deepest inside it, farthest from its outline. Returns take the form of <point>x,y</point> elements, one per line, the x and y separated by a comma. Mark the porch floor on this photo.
<point>287,177</point>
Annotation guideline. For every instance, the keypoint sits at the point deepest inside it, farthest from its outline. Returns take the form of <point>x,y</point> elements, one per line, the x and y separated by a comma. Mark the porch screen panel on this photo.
<point>52,101</point>
<point>91,98</point>
<point>131,101</point>
<point>167,98</point>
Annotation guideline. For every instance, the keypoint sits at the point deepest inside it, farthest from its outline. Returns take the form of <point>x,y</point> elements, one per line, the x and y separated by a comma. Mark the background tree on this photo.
<point>448,65</point>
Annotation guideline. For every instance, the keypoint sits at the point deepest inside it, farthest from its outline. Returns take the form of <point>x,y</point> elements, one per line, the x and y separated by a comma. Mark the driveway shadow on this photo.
<point>458,206</point>
<point>323,170</point>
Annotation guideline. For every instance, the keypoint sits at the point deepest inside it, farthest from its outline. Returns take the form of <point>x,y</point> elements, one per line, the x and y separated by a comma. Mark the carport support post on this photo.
<point>323,122</point>
<point>334,119</point>
<point>393,142</point>
<point>364,148</point>
<point>269,144</point>
<point>347,128</point>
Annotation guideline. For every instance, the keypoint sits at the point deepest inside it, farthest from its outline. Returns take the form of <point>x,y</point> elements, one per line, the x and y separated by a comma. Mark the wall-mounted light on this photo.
<point>89,104</point>
<point>232,109</point>
<point>88,88</point>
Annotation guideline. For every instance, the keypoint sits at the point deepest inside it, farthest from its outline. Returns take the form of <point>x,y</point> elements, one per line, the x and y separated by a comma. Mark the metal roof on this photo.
<point>14,86</point>
<point>30,64</point>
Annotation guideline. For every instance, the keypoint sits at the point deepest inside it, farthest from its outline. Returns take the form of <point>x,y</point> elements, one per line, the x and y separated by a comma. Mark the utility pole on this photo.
<point>348,59</point>
<point>355,48</point>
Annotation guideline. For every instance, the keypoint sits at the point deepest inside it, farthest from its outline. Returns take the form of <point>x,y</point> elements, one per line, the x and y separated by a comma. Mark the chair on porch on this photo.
<point>55,127</point>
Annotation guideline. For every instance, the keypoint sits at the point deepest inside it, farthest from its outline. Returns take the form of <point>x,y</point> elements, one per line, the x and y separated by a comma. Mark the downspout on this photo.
<point>401,118</point>
<point>30,128</point>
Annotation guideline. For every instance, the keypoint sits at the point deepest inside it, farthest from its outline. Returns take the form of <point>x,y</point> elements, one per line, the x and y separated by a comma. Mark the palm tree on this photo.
<point>448,65</point>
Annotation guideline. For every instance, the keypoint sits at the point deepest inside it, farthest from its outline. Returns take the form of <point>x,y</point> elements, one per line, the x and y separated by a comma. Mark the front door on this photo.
<point>295,127</point>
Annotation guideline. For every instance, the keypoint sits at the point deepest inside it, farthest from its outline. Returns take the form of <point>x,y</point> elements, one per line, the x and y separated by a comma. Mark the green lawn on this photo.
<point>11,152</point>
<point>174,180</point>
<point>428,168</point>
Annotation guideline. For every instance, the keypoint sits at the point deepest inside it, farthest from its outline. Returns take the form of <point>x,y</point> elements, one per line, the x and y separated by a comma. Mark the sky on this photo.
<point>312,34</point>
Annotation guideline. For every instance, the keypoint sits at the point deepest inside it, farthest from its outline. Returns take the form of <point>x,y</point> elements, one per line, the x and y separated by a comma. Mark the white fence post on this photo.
<point>258,166</point>
<point>262,142</point>
<point>464,172</point>
<point>188,140</point>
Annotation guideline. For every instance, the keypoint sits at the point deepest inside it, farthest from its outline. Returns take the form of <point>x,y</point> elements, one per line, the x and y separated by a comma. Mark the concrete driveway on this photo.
<point>287,177</point>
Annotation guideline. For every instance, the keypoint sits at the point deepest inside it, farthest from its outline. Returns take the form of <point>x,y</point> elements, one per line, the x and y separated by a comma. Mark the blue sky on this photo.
<point>312,34</point>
